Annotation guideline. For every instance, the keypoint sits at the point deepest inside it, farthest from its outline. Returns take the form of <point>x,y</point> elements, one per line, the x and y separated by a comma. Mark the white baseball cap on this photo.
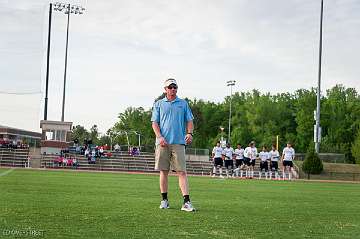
<point>169,82</point>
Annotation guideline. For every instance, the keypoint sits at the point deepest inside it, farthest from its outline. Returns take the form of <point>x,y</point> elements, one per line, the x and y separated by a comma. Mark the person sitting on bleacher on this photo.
<point>86,153</point>
<point>135,151</point>
<point>58,161</point>
<point>89,158</point>
<point>64,161</point>
<point>93,157</point>
<point>108,154</point>
<point>75,163</point>
<point>101,151</point>
<point>69,162</point>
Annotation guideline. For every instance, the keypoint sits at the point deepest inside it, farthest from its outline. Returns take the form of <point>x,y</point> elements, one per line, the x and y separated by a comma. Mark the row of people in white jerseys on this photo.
<point>245,161</point>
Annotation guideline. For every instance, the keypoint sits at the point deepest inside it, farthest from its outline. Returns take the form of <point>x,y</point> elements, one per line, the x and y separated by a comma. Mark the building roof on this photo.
<point>19,132</point>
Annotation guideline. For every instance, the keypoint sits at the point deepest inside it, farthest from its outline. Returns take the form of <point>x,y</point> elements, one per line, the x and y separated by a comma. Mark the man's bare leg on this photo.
<point>183,183</point>
<point>164,181</point>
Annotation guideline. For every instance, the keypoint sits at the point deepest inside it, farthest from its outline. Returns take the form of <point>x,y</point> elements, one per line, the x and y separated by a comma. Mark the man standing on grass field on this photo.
<point>239,163</point>
<point>274,158</point>
<point>228,153</point>
<point>250,154</point>
<point>217,160</point>
<point>172,122</point>
<point>288,156</point>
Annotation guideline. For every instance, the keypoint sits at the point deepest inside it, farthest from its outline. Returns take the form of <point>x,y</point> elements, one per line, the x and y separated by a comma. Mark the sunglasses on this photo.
<point>170,87</point>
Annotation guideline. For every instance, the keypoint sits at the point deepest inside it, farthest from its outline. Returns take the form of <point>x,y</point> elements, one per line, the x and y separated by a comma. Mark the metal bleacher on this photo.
<point>122,161</point>
<point>119,161</point>
<point>13,157</point>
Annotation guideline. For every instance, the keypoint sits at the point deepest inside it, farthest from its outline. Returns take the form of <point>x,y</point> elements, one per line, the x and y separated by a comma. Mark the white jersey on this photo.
<point>239,153</point>
<point>217,152</point>
<point>247,152</point>
<point>288,153</point>
<point>253,153</point>
<point>263,155</point>
<point>228,152</point>
<point>274,155</point>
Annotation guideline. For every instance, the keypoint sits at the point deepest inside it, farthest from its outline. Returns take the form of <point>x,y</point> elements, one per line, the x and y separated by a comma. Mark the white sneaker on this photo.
<point>188,207</point>
<point>221,176</point>
<point>164,204</point>
<point>214,175</point>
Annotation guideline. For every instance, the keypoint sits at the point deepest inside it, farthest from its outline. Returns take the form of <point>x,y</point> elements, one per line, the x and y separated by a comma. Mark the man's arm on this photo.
<point>189,132</point>
<point>158,135</point>
<point>190,127</point>
<point>293,155</point>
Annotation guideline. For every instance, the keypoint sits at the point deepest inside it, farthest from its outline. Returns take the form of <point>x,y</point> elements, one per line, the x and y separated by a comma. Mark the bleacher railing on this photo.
<point>14,157</point>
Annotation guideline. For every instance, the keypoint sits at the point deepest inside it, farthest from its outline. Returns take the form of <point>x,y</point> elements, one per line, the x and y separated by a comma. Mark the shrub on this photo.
<point>312,163</point>
<point>355,149</point>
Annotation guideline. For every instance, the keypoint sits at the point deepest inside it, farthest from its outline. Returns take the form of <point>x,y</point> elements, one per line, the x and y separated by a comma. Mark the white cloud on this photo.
<point>121,51</point>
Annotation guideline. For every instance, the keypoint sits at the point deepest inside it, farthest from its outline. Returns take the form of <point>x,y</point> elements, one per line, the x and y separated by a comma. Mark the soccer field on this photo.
<point>70,204</point>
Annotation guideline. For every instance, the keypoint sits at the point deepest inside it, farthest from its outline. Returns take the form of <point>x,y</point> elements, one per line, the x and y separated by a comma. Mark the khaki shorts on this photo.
<point>170,157</point>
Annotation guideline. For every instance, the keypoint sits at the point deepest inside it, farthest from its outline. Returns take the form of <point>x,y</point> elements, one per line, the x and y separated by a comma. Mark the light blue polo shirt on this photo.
<point>172,117</point>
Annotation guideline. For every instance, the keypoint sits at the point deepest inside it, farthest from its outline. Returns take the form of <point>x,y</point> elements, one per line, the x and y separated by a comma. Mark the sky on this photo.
<point>120,53</point>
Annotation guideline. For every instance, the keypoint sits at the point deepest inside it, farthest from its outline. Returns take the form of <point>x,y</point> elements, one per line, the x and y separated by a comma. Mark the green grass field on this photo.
<point>63,204</point>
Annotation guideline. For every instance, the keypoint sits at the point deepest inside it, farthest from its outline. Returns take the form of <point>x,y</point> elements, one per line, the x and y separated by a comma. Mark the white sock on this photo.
<point>220,171</point>
<point>266,175</point>
<point>241,173</point>
<point>214,170</point>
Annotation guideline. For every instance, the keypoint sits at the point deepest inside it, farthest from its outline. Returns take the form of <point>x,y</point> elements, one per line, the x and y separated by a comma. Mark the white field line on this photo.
<point>6,172</point>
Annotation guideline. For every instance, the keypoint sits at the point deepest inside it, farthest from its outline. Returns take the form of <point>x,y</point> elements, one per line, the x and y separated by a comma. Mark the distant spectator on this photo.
<point>93,159</point>
<point>87,152</point>
<point>89,158</point>
<point>78,149</point>
<point>58,161</point>
<point>65,161</point>
<point>70,161</point>
<point>101,151</point>
<point>117,147</point>
<point>75,163</point>
<point>135,151</point>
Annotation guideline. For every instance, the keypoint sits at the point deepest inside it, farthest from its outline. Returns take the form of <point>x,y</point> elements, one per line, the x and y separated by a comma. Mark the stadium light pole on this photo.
<point>230,83</point>
<point>47,65</point>
<point>317,133</point>
<point>68,9</point>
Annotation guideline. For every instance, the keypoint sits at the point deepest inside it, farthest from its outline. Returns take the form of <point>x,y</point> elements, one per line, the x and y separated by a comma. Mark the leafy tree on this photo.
<point>134,121</point>
<point>305,105</point>
<point>94,134</point>
<point>261,117</point>
<point>341,116</point>
<point>79,133</point>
